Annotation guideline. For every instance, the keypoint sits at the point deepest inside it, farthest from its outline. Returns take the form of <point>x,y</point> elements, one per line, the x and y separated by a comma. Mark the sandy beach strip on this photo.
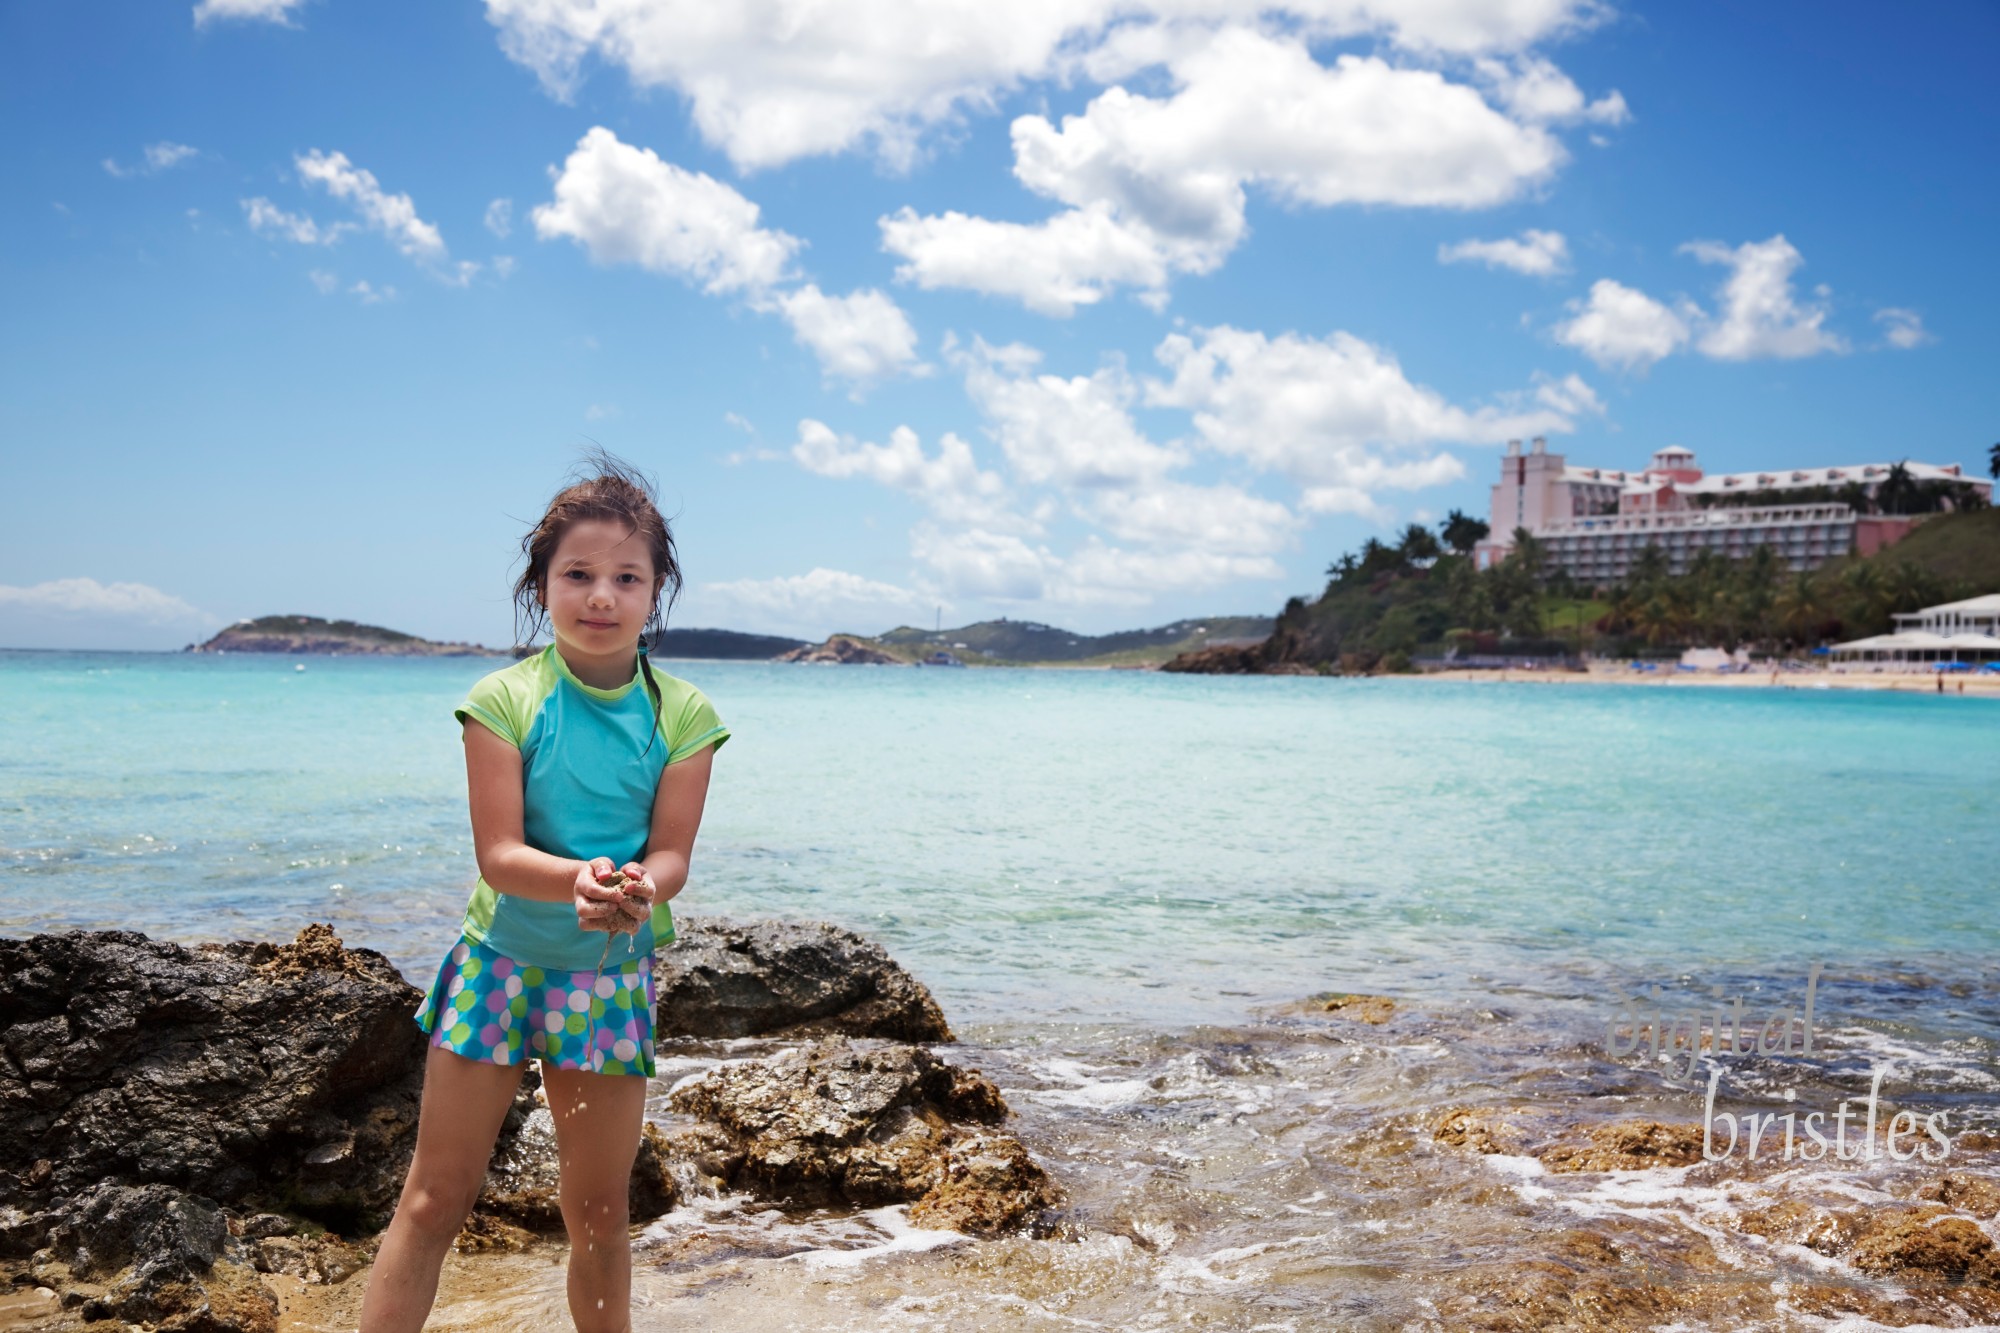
<point>1960,684</point>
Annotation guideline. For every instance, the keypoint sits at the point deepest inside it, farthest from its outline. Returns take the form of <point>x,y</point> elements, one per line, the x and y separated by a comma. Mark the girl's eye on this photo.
<point>628,578</point>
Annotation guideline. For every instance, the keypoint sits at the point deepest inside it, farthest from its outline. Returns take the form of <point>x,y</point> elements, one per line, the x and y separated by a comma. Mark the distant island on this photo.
<point>1030,643</point>
<point>311,634</point>
<point>722,645</point>
<point>986,643</point>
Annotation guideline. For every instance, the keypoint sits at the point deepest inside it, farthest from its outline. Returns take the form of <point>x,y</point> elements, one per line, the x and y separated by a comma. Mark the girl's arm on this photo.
<point>506,861</point>
<point>677,808</point>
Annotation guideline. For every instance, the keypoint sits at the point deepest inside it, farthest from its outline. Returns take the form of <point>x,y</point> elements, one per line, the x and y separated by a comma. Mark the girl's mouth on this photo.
<point>598,624</point>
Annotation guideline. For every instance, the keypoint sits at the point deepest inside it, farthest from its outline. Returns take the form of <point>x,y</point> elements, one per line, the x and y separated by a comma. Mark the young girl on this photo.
<point>583,762</point>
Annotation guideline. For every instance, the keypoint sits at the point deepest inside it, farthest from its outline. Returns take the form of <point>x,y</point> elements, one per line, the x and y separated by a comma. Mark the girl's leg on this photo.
<point>598,1118</point>
<point>464,1104</point>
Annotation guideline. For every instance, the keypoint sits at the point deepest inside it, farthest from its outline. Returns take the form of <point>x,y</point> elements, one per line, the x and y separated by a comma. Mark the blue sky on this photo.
<point>1095,313</point>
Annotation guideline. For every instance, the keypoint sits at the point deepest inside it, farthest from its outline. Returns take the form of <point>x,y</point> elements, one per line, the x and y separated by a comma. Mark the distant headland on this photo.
<point>311,634</point>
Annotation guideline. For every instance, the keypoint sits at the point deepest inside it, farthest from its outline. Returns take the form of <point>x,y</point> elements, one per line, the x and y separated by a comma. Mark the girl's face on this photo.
<point>600,588</point>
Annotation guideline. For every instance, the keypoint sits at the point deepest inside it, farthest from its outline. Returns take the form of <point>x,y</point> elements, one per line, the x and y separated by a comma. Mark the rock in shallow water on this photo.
<point>843,1123</point>
<point>285,1075</point>
<point>788,978</point>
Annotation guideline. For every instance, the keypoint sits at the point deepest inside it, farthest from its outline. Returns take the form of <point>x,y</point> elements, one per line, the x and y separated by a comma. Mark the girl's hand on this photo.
<point>597,907</point>
<point>637,904</point>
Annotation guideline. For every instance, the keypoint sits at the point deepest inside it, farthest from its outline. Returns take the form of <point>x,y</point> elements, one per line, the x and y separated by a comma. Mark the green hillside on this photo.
<point>1953,548</point>
<point>1027,642</point>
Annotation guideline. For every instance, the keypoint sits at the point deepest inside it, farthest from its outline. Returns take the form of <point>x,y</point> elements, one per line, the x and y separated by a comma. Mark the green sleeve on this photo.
<point>501,704</point>
<point>693,725</point>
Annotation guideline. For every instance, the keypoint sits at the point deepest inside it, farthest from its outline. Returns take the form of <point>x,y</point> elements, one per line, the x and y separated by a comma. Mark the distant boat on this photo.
<point>298,666</point>
<point>941,659</point>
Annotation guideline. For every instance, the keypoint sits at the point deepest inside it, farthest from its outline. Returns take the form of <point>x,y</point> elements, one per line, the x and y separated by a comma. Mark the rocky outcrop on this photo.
<point>735,979</point>
<point>843,649</point>
<point>174,1121</point>
<point>276,1077</point>
<point>1630,1145</point>
<point>839,1122</point>
<point>153,1254</point>
<point>312,634</point>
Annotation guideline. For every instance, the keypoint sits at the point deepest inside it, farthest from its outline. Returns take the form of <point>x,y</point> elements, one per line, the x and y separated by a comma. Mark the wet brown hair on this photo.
<point>608,489</point>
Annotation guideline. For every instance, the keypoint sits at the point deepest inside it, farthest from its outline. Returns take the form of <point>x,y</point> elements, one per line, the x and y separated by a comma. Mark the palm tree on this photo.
<point>1898,492</point>
<point>1529,552</point>
<point>1462,532</point>
<point>1418,544</point>
<point>1799,609</point>
<point>1992,463</point>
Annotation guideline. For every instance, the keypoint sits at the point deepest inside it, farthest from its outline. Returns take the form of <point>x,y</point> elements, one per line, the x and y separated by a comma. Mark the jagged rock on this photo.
<point>1629,1145</point>
<point>735,979</point>
<point>1481,1130</point>
<point>312,1259</point>
<point>243,1073</point>
<point>1926,1242</point>
<point>152,1253</point>
<point>1371,1009</point>
<point>840,1123</point>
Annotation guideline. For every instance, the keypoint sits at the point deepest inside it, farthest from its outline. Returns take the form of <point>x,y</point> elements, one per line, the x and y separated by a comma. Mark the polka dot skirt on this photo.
<point>486,1006</point>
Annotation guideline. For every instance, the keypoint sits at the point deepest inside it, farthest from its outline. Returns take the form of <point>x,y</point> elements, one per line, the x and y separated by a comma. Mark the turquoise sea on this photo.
<point>1062,845</point>
<point>1120,885</point>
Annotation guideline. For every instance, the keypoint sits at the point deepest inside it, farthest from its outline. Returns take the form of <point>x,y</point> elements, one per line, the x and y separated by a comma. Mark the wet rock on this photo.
<point>1632,1145</point>
<point>311,1259</point>
<point>733,979</point>
<point>1477,1129</point>
<point>1927,1242</point>
<point>841,1123</point>
<point>485,1234</point>
<point>1371,1009</point>
<point>1969,1194</point>
<point>153,1254</point>
<point>242,1073</point>
<point>1795,1222</point>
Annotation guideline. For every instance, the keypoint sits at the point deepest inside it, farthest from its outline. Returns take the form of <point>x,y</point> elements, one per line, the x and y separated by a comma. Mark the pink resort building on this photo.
<point>1593,522</point>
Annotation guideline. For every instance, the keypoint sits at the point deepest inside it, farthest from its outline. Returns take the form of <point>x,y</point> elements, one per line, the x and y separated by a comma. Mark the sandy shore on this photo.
<point>1956,684</point>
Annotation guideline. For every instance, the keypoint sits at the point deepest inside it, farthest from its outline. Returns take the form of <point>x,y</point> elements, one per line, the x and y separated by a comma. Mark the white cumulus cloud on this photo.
<point>500,217</point>
<point>1758,313</point>
<point>1337,414</point>
<point>949,482</point>
<point>1534,90</point>
<point>814,604</point>
<point>769,81</point>
<point>88,597</point>
<point>267,219</point>
<point>625,205</point>
<point>162,156</point>
<point>1158,185</point>
<point>1076,258</point>
<point>1070,431</point>
<point>1539,254</point>
<point>1622,327</point>
<point>861,337</point>
<point>1903,328</point>
<point>394,215</point>
<point>264,11</point>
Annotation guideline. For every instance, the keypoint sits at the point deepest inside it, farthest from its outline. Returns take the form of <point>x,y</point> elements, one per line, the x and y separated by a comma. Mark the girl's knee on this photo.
<point>436,1212</point>
<point>594,1218</point>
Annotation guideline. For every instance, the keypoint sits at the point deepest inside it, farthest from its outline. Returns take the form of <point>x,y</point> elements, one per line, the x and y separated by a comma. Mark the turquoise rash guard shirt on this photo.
<point>591,761</point>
